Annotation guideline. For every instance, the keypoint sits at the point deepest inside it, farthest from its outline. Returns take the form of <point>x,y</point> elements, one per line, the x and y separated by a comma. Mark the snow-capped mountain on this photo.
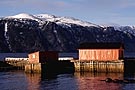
<point>28,33</point>
<point>52,18</point>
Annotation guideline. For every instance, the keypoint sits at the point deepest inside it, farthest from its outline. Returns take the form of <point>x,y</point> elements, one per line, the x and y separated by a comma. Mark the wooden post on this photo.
<point>33,68</point>
<point>99,66</point>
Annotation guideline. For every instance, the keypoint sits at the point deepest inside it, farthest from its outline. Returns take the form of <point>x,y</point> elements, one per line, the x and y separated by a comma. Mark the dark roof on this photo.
<point>98,45</point>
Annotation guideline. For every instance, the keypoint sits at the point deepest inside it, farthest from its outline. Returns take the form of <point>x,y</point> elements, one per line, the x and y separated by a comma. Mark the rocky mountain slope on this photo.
<point>28,33</point>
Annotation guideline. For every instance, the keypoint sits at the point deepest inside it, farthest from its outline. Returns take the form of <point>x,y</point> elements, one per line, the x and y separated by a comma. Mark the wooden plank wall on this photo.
<point>33,57</point>
<point>99,54</point>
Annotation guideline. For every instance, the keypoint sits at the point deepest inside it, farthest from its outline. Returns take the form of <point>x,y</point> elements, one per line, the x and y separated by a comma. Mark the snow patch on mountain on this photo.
<point>45,17</point>
<point>6,36</point>
<point>114,25</point>
<point>24,16</point>
<point>117,27</point>
<point>64,20</point>
<point>75,21</point>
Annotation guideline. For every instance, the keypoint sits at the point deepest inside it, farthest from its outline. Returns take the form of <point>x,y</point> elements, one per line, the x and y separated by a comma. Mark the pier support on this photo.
<point>50,67</point>
<point>99,66</point>
<point>33,68</point>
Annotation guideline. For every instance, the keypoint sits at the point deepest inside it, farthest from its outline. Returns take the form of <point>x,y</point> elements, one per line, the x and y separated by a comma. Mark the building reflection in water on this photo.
<point>78,81</point>
<point>51,81</point>
<point>91,81</point>
<point>33,81</point>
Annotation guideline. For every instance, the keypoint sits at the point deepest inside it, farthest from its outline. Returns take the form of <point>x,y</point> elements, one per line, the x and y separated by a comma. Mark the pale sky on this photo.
<point>121,12</point>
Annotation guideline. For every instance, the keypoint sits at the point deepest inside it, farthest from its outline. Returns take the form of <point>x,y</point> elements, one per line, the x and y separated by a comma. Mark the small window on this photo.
<point>33,56</point>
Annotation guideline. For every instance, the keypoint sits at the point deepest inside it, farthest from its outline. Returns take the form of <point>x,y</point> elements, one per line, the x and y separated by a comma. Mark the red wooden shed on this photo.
<point>101,51</point>
<point>43,56</point>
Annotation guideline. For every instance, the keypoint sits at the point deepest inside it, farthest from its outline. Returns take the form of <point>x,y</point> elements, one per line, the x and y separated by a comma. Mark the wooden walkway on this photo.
<point>17,64</point>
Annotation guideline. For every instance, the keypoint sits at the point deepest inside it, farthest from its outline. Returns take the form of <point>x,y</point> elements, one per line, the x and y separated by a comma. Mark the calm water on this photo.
<point>18,80</point>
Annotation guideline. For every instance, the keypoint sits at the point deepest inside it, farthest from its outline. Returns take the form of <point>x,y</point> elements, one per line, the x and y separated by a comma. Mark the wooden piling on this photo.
<point>99,66</point>
<point>33,68</point>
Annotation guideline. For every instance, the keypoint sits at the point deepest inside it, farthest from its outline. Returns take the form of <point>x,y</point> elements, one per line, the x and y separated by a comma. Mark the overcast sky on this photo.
<point>95,11</point>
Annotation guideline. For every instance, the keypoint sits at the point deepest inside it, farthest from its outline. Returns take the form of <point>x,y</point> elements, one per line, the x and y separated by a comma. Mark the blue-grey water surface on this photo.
<point>19,80</point>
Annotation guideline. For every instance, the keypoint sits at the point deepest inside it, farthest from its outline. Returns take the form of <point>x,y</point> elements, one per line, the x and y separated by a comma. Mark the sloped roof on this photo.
<point>114,45</point>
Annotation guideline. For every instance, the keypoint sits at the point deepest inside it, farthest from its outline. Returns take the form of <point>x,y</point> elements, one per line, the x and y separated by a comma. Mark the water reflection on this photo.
<point>77,81</point>
<point>33,81</point>
<point>59,82</point>
<point>15,80</point>
<point>129,75</point>
<point>51,81</point>
<point>64,81</point>
<point>92,81</point>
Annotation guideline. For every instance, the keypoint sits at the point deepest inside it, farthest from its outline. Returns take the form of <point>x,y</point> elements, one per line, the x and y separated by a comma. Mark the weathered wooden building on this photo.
<point>47,62</point>
<point>38,60</point>
<point>100,57</point>
<point>101,51</point>
<point>42,56</point>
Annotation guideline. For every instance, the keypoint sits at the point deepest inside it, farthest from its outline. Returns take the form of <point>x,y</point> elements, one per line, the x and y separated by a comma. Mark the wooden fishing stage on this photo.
<point>38,62</point>
<point>66,66</point>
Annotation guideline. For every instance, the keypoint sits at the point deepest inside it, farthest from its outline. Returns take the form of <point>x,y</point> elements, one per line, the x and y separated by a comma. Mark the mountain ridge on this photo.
<point>28,33</point>
<point>52,18</point>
